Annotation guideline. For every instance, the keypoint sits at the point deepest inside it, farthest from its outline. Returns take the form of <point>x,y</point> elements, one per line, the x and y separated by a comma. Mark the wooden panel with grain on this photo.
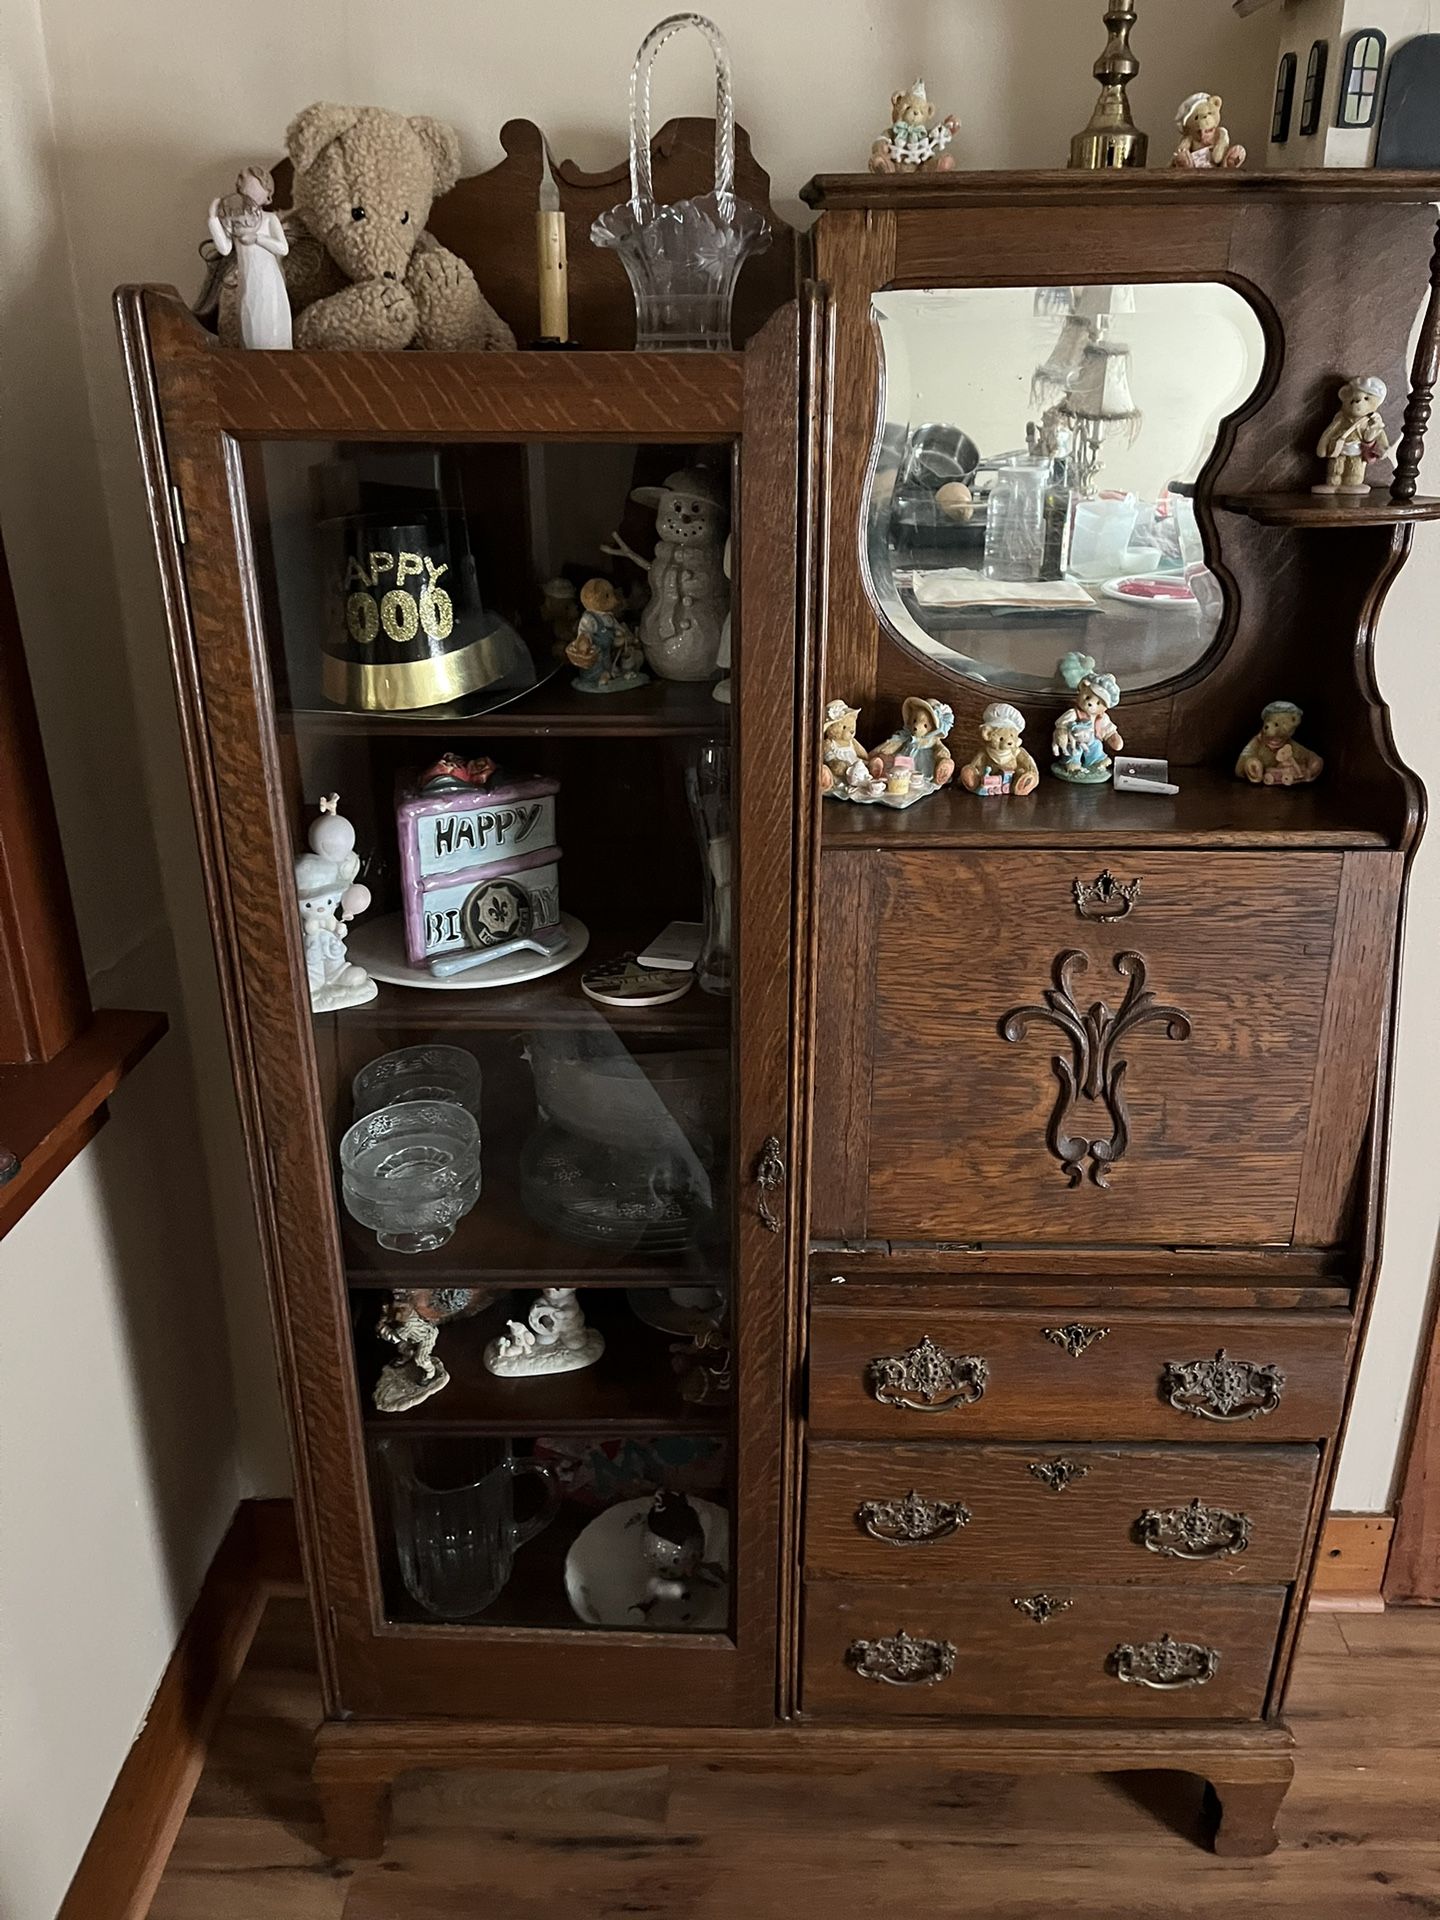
<point>1237,945</point>
<point>1009,1665</point>
<point>1038,1513</point>
<point>1034,1390</point>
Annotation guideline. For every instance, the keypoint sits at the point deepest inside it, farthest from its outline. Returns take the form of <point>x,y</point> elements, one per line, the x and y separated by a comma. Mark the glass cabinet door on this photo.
<point>498,679</point>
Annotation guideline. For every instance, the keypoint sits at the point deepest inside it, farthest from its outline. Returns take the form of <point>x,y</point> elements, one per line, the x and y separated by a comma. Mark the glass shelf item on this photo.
<point>1034,480</point>
<point>554,1531</point>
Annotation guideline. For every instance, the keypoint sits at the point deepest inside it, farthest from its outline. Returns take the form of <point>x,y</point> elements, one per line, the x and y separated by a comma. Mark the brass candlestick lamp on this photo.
<point>1112,138</point>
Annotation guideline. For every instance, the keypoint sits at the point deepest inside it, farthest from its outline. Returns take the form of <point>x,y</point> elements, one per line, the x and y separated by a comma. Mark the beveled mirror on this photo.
<point>1032,492</point>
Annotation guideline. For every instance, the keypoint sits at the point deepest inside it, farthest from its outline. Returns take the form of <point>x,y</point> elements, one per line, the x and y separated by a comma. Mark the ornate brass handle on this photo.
<point>1075,1337</point>
<point>899,1661</point>
<point>913,1521</point>
<point>1222,1388</point>
<point>1165,1664</point>
<point>769,1175</point>
<point>1104,897</point>
<point>1196,1532</point>
<point>927,1379</point>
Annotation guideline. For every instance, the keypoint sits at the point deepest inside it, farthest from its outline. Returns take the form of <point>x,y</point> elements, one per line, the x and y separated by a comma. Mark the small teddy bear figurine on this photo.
<point>1275,758</point>
<point>1085,737</point>
<point>604,649</point>
<point>910,144</point>
<point>1355,437</point>
<point>844,764</point>
<point>917,749</point>
<point>1204,143</point>
<point>1000,764</point>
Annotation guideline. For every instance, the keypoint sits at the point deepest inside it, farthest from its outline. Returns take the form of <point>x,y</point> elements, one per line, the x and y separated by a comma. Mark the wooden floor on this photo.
<point>1360,1833</point>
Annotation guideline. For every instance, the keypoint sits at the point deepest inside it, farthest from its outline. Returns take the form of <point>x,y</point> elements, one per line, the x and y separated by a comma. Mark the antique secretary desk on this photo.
<point>1042,1138</point>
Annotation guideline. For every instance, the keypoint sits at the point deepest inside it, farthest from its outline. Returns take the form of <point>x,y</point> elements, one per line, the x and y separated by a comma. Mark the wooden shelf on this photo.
<point>498,1244</point>
<point>677,709</point>
<point>1329,510</point>
<point>1137,186</point>
<point>50,1110</point>
<point>632,1388</point>
<point>557,1001</point>
<point>1210,810</point>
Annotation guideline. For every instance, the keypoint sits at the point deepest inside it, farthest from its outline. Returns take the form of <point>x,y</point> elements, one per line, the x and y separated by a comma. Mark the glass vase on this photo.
<point>707,784</point>
<point>682,259</point>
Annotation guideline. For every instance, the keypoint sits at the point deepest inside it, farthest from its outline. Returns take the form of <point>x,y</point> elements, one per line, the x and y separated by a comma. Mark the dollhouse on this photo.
<point>1352,80</point>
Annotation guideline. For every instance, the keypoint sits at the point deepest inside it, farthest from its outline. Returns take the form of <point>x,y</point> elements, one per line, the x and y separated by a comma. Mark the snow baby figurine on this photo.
<point>605,650</point>
<point>917,748</point>
<point>553,1338</point>
<point>330,895</point>
<point>1354,438</point>
<point>1085,737</point>
<point>909,144</point>
<point>1000,765</point>
<point>241,225</point>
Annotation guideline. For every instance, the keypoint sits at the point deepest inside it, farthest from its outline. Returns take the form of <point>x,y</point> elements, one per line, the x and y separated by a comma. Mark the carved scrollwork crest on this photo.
<point>1041,1607</point>
<point>1105,897</point>
<point>927,1379</point>
<point>899,1661</point>
<point>913,1521</point>
<point>1075,1337</point>
<point>1196,1532</point>
<point>1222,1388</point>
<point>1057,1474</point>
<point>1093,1072</point>
<point>1165,1664</point>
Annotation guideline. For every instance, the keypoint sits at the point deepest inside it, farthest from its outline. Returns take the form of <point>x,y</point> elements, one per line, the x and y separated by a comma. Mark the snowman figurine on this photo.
<point>683,621</point>
<point>330,895</point>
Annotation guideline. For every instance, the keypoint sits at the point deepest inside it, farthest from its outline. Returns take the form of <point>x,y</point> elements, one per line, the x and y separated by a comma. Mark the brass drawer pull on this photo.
<point>1058,1473</point>
<point>1196,1532</point>
<point>927,1379</point>
<point>1104,897</point>
<point>1165,1664</point>
<point>900,1661</point>
<point>913,1521</point>
<point>1075,1337</point>
<point>1041,1607</point>
<point>1222,1388</point>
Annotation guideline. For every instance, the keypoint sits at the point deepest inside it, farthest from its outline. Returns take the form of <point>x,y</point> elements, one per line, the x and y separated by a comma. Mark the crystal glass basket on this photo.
<point>683,259</point>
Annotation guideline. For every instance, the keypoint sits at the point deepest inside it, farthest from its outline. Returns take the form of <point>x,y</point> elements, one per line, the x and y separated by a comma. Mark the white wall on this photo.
<point>119,124</point>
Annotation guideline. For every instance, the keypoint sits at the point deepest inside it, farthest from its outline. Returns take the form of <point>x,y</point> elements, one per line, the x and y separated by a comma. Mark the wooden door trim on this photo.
<point>1412,1572</point>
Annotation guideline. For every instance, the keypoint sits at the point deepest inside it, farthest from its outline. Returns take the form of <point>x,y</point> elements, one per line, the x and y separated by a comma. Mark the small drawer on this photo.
<point>990,1373</point>
<point>885,1650</point>
<point>1176,1516</point>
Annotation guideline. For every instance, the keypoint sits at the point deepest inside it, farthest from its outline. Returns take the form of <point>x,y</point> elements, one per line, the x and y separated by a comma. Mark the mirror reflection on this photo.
<point>1034,485</point>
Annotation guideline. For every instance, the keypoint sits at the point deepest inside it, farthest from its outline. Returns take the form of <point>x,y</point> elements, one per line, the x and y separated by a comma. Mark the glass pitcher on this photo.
<point>453,1507</point>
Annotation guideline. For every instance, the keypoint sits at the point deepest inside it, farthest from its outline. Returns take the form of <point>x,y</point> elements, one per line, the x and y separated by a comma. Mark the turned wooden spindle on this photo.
<point>1423,376</point>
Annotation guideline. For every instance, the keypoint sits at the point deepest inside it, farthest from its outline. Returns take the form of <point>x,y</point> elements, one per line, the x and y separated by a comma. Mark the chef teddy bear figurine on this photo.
<point>1001,764</point>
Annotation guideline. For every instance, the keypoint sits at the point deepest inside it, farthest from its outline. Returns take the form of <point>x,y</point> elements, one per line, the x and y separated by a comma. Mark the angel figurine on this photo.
<point>330,895</point>
<point>241,225</point>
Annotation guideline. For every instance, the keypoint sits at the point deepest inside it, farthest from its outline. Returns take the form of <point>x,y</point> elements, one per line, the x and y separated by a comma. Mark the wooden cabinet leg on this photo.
<point>355,1813</point>
<point>1246,1811</point>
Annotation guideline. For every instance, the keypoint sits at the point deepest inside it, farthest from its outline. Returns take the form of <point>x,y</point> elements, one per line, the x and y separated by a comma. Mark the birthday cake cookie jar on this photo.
<point>479,866</point>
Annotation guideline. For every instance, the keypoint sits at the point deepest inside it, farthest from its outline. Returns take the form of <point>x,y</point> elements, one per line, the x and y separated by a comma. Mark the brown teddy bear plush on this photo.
<point>362,271</point>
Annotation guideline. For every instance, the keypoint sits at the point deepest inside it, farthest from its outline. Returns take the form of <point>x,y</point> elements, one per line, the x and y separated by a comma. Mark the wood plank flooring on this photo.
<point>1360,1832</point>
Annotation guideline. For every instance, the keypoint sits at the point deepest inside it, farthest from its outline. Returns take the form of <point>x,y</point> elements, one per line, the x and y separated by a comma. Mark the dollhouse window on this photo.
<point>1360,82</point>
<point>1284,99</point>
<point>1314,95</point>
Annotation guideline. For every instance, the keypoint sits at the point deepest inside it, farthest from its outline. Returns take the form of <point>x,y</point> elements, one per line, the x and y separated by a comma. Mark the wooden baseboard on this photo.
<point>121,1867</point>
<point>1350,1573</point>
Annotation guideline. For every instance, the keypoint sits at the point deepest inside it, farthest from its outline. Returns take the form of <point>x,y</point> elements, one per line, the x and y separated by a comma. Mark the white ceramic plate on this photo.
<point>1115,590</point>
<point>606,1574</point>
<point>379,947</point>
